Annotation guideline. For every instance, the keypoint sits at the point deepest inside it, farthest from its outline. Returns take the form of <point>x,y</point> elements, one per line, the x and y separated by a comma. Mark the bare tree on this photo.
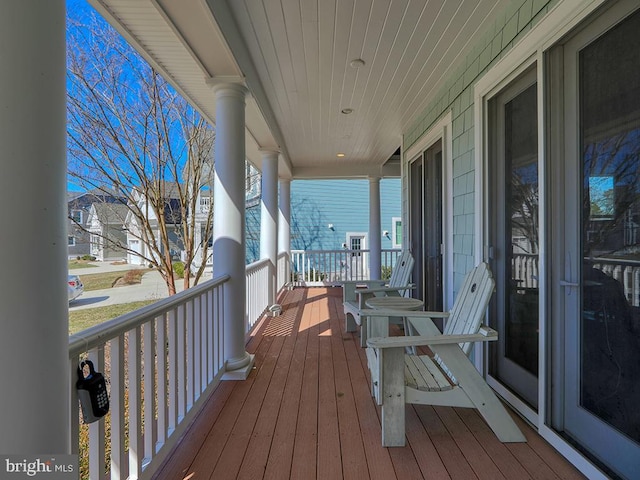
<point>131,136</point>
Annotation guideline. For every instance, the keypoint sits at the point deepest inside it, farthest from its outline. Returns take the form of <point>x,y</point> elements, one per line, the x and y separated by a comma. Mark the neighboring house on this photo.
<point>107,236</point>
<point>334,215</point>
<point>252,203</point>
<point>253,186</point>
<point>129,232</point>
<point>78,205</point>
<point>205,203</point>
<point>139,251</point>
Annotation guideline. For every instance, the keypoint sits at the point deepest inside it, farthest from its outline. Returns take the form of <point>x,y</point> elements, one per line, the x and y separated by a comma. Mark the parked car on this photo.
<point>74,287</point>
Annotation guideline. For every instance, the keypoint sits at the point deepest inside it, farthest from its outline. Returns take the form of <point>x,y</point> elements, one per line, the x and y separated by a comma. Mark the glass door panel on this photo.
<point>601,285</point>
<point>433,228</point>
<point>514,237</point>
<point>426,226</point>
<point>416,227</point>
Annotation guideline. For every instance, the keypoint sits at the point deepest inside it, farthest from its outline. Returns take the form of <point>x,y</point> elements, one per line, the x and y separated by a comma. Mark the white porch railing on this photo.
<point>284,270</point>
<point>258,278</point>
<point>322,267</point>
<point>162,358</point>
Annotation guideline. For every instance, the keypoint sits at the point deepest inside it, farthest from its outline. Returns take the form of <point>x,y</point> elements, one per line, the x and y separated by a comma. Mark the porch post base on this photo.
<point>240,372</point>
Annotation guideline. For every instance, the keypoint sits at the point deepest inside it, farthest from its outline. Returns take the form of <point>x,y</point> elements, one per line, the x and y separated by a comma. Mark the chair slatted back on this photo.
<point>471,304</point>
<point>401,272</point>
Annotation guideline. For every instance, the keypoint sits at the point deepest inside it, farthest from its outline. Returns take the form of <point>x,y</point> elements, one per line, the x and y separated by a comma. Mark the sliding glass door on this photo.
<point>514,236</point>
<point>426,226</point>
<point>596,290</point>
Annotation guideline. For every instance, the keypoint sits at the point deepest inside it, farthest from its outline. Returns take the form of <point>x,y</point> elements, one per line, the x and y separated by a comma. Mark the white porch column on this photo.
<point>284,219</point>
<point>375,232</point>
<point>269,218</point>
<point>229,223</point>
<point>34,336</point>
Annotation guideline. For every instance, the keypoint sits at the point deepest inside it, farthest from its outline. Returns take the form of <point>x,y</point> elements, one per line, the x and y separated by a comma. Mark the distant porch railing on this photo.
<point>258,279</point>
<point>322,267</point>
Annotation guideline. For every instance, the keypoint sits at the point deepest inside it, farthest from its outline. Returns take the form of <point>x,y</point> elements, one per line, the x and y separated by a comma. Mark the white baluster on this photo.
<point>116,406</point>
<point>136,445</point>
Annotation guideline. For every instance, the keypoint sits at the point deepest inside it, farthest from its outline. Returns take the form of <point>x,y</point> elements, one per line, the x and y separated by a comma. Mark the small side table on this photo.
<point>394,303</point>
<point>380,326</point>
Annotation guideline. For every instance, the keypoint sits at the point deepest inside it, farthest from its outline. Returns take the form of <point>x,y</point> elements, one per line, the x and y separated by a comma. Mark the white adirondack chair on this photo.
<point>354,297</point>
<point>447,377</point>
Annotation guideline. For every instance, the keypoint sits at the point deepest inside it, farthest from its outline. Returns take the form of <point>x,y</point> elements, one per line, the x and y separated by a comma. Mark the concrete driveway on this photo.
<point>152,287</point>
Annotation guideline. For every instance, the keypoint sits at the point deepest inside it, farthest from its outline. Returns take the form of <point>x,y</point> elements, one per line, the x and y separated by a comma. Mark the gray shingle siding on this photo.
<point>457,96</point>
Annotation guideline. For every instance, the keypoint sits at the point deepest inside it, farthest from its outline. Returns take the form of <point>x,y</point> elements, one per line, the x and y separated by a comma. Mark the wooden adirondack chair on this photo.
<point>445,378</point>
<point>354,297</point>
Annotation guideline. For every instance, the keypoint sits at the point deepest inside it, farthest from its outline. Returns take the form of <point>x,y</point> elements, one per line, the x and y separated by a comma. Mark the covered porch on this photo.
<point>306,412</point>
<point>308,92</point>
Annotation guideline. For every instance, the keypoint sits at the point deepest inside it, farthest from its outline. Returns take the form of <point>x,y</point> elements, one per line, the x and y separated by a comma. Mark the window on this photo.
<point>96,243</point>
<point>396,231</point>
<point>71,241</point>
<point>76,216</point>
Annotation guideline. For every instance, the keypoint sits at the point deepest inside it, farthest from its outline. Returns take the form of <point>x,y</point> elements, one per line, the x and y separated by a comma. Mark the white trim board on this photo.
<point>429,138</point>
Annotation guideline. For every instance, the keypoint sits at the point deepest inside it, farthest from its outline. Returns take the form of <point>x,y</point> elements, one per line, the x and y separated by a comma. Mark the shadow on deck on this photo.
<point>306,412</point>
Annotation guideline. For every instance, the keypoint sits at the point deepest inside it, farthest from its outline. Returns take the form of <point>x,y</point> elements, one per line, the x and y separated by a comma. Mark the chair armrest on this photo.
<point>402,313</point>
<point>487,331</point>
<point>386,289</point>
<point>355,283</point>
<point>485,334</point>
<point>349,288</point>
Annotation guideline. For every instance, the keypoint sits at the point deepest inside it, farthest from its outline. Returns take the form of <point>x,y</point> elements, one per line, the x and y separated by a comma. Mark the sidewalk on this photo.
<point>152,287</point>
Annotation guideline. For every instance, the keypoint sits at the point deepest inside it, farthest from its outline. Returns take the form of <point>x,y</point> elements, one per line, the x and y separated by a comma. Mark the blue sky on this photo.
<point>80,13</point>
<point>78,10</point>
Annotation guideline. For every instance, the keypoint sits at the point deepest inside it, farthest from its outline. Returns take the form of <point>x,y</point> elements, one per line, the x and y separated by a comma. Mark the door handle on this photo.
<point>564,283</point>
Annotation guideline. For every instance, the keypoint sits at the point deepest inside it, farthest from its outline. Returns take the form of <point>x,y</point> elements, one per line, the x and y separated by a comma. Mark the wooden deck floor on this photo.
<point>305,412</point>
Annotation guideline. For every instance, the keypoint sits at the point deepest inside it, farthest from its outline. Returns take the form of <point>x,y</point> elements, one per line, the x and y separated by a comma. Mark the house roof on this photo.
<point>111,213</point>
<point>170,189</point>
<point>93,194</point>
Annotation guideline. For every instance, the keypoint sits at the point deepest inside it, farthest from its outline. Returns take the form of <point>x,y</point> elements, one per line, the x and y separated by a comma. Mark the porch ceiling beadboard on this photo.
<point>500,34</point>
<point>295,56</point>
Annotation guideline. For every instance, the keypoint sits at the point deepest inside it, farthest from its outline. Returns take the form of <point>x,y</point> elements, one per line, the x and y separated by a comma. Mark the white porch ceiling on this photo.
<point>295,57</point>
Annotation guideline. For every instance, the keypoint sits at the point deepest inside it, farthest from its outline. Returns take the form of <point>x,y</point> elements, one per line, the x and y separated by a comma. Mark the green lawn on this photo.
<point>88,317</point>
